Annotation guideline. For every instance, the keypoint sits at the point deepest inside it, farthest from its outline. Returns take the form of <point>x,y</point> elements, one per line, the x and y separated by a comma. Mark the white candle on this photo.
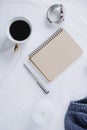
<point>44,112</point>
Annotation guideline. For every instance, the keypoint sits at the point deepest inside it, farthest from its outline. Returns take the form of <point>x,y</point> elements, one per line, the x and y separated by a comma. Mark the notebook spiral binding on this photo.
<point>46,42</point>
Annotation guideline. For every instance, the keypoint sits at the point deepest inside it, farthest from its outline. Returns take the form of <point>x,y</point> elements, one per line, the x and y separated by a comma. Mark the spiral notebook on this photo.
<point>55,54</point>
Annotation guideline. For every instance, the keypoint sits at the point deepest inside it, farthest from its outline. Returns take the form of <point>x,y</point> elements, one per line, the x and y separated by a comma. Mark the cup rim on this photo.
<point>8,32</point>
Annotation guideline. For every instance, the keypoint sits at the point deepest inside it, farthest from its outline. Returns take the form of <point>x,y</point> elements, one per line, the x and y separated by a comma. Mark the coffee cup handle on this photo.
<point>16,48</point>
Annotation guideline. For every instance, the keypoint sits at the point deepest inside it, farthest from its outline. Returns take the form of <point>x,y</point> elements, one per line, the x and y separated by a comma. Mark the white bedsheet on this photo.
<point>18,91</point>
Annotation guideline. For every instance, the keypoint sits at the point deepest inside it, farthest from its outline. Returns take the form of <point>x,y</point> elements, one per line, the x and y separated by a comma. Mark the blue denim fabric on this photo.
<point>76,116</point>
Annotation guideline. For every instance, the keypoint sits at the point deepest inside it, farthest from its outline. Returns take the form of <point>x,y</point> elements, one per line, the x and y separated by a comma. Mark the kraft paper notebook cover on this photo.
<point>55,54</point>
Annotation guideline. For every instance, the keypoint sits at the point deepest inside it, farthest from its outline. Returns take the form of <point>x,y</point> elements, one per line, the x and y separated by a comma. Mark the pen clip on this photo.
<point>43,88</point>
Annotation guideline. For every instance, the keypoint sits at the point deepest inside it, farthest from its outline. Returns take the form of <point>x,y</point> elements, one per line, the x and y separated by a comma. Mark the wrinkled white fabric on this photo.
<point>18,91</point>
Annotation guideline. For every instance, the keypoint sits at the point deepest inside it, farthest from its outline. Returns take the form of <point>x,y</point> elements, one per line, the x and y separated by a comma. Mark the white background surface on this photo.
<point>18,92</point>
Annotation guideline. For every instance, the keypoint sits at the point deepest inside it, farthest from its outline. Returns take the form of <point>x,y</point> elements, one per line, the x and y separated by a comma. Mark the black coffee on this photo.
<point>20,30</point>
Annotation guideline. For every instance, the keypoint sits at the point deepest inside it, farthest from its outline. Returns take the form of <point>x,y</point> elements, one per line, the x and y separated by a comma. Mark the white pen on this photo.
<point>37,81</point>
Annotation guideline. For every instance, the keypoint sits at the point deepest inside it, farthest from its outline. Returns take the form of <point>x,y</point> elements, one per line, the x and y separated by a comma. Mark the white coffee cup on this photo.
<point>14,41</point>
